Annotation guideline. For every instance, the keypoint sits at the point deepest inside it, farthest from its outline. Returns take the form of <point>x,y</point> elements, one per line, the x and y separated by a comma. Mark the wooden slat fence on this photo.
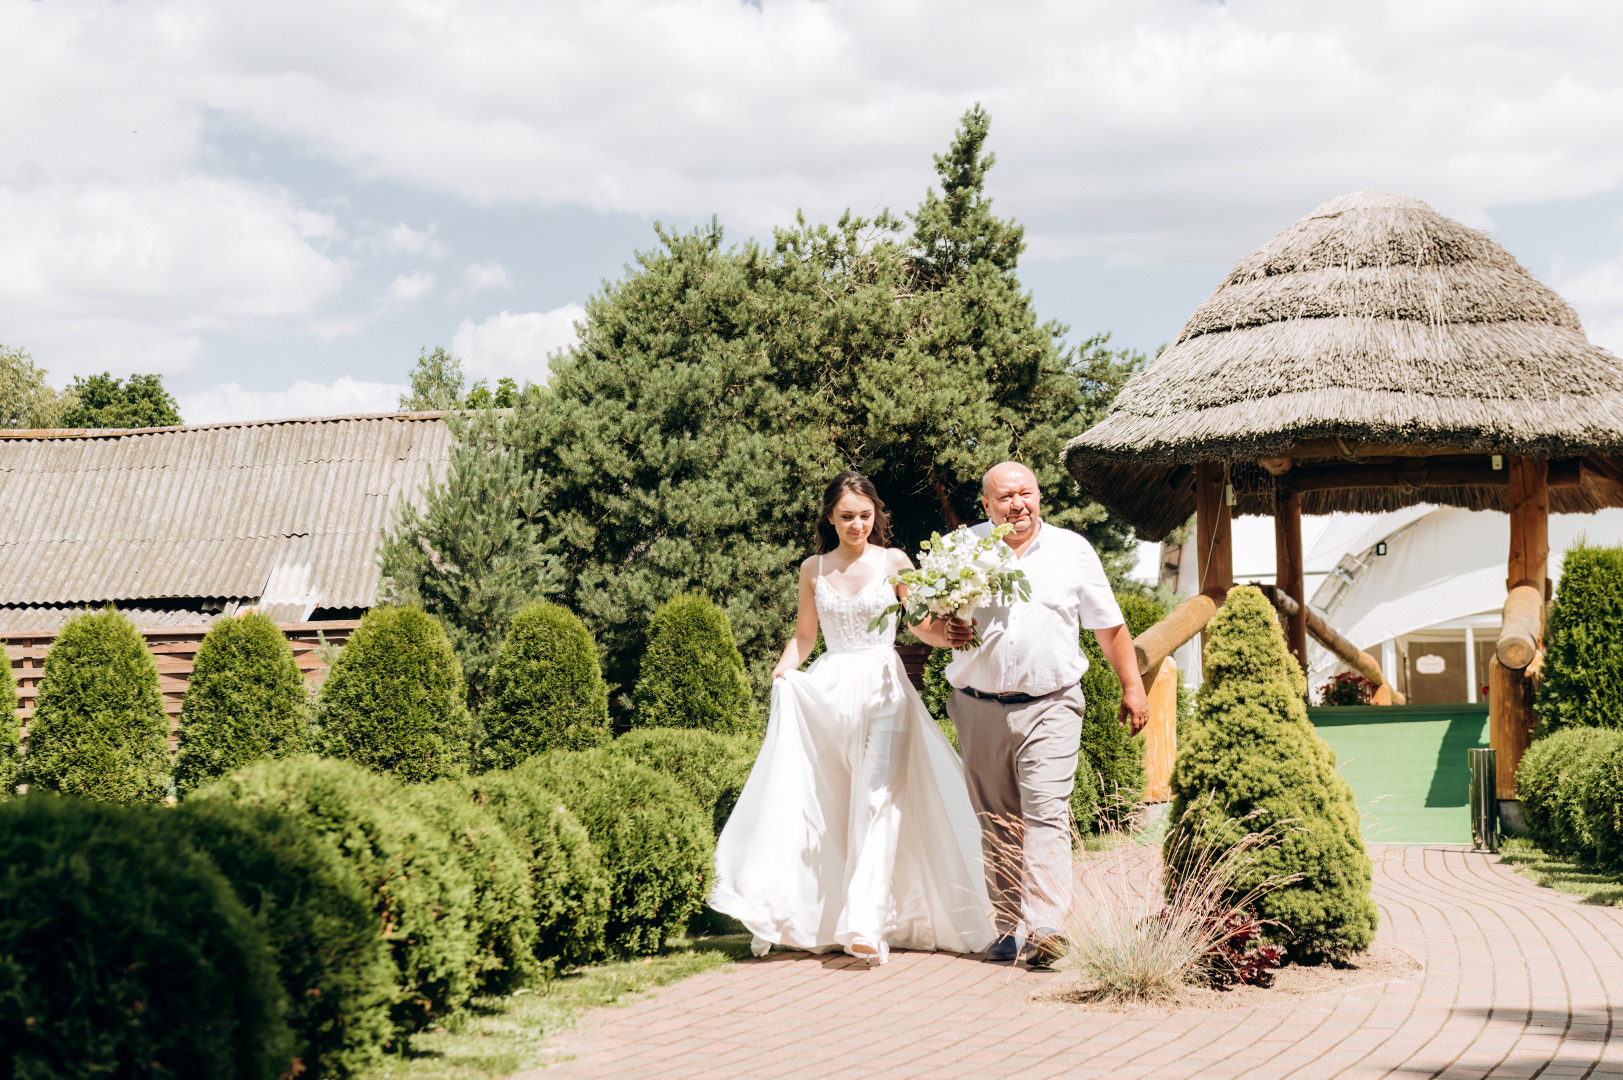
<point>174,648</point>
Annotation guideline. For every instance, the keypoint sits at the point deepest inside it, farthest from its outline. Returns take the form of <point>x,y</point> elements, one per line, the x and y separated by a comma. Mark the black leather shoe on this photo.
<point>1004,949</point>
<point>1046,947</point>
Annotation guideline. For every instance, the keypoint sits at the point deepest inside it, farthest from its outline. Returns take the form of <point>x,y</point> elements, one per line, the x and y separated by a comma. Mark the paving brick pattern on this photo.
<point>1517,981</point>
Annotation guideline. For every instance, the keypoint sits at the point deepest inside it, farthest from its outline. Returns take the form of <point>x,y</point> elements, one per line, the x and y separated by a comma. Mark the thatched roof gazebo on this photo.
<point>1374,355</point>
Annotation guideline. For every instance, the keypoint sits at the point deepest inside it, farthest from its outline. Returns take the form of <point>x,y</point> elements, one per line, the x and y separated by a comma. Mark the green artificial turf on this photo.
<point>1407,767</point>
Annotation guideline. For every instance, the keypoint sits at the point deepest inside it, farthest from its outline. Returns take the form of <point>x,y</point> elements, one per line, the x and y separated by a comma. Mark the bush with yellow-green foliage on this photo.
<point>545,690</point>
<point>99,729</point>
<point>713,768</point>
<point>692,675</point>
<point>10,735</point>
<point>393,700</point>
<point>1253,762</point>
<point>245,701</point>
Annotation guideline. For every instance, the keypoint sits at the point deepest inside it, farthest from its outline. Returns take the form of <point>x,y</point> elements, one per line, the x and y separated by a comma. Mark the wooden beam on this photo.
<point>1421,473</point>
<point>1510,722</point>
<point>1214,542</point>
<point>1521,629</point>
<point>1182,623</point>
<point>1527,567</point>
<point>1161,734</point>
<point>1344,650</point>
<point>1288,570</point>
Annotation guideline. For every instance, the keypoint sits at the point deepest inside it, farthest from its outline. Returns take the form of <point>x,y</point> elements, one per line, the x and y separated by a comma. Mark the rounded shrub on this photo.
<point>1547,783</point>
<point>692,675</point>
<point>1596,784</point>
<point>503,907</point>
<point>713,768</point>
<point>570,889</point>
<point>99,728</point>
<point>1583,667</point>
<point>245,701</point>
<point>545,692</point>
<point>1252,763</point>
<point>392,701</point>
<point>330,955</point>
<point>124,952</point>
<point>651,836</point>
<point>420,894</point>
<point>10,735</point>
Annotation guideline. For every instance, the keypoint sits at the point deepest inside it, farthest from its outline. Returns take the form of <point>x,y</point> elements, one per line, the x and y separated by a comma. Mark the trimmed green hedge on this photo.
<point>571,890</point>
<point>420,893</point>
<point>10,735</point>
<point>651,836</point>
<point>503,909</point>
<point>1254,751</point>
<point>245,701</point>
<point>713,768</point>
<point>99,729</point>
<point>393,701</point>
<point>692,674</point>
<point>1583,666</point>
<point>545,692</point>
<point>1110,751</point>
<point>330,957</point>
<point>124,952</point>
<point>1548,785</point>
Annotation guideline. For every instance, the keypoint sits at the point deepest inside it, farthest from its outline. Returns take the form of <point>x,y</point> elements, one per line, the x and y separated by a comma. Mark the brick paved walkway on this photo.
<point>1517,982</point>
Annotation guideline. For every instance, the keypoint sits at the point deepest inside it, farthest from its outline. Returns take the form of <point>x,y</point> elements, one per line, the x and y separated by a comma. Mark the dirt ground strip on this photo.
<point>1506,980</point>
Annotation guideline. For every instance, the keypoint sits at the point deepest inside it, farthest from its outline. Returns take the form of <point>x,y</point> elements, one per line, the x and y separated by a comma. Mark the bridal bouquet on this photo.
<point>955,574</point>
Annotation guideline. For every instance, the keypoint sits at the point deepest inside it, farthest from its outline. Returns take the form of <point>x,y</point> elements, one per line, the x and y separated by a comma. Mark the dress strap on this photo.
<point>819,564</point>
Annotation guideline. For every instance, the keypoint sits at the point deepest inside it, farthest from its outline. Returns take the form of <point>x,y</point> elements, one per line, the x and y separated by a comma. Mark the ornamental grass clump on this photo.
<point>652,837</point>
<point>99,728</point>
<point>1583,667</point>
<point>245,700</point>
<point>124,952</point>
<point>545,690</point>
<point>393,700</point>
<point>330,956</point>
<point>713,768</point>
<point>420,893</point>
<point>1253,763</point>
<point>692,675</point>
<point>570,888</point>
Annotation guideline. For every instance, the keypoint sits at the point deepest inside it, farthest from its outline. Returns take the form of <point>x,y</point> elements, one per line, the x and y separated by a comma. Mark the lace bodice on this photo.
<point>845,619</point>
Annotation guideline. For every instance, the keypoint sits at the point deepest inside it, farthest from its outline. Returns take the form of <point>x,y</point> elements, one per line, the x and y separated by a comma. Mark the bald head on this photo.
<point>1010,495</point>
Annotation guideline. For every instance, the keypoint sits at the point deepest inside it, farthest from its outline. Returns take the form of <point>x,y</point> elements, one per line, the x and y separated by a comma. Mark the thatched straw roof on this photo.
<point>1374,321</point>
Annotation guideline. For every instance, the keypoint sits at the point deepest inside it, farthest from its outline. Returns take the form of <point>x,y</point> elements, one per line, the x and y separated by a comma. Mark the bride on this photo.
<point>854,830</point>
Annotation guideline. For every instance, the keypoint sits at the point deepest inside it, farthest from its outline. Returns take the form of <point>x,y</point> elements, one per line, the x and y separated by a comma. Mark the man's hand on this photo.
<point>945,633</point>
<point>958,632</point>
<point>1135,707</point>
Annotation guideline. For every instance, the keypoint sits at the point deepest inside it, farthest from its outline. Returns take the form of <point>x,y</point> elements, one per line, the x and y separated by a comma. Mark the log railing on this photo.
<point>1344,650</point>
<point>1180,625</point>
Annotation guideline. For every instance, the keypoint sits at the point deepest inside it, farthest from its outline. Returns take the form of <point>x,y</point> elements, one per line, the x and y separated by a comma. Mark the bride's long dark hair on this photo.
<point>854,483</point>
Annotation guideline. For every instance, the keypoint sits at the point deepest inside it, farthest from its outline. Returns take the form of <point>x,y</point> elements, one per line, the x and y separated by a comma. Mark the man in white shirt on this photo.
<point>1018,707</point>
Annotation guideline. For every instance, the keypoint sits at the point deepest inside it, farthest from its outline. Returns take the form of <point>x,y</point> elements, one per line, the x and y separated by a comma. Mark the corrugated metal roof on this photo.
<point>92,516</point>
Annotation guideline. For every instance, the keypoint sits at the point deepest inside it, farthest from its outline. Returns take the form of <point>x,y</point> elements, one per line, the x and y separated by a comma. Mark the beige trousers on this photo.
<point>1020,765</point>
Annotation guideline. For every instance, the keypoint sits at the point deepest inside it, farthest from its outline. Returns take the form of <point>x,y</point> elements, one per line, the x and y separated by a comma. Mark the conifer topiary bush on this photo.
<point>99,729</point>
<point>503,909</point>
<point>1253,751</point>
<point>1583,667</point>
<point>1549,785</point>
<point>10,735</point>
<point>570,888</point>
<point>124,952</point>
<point>330,955</point>
<point>652,837</point>
<point>245,700</point>
<point>713,768</point>
<point>692,675</point>
<point>545,691</point>
<point>421,895</point>
<point>393,702</point>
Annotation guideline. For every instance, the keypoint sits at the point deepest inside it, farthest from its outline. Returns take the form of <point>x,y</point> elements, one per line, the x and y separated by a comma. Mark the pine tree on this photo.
<point>1254,763</point>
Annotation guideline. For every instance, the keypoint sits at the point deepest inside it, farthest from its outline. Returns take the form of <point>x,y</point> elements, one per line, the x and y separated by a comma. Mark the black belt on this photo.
<point>1001,699</point>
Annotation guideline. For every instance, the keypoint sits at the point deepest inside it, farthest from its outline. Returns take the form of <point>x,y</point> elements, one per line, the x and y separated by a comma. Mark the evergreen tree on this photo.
<point>692,674</point>
<point>101,401</point>
<point>1254,763</point>
<point>393,700</point>
<point>245,700</point>
<point>99,729</point>
<point>1583,673</point>
<point>474,554</point>
<point>546,690</point>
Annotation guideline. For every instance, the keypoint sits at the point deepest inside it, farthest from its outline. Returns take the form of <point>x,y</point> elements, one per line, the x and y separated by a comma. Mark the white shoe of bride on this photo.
<point>875,955</point>
<point>759,946</point>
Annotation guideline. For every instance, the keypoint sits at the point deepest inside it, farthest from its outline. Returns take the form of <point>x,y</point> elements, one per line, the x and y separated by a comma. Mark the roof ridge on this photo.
<point>110,433</point>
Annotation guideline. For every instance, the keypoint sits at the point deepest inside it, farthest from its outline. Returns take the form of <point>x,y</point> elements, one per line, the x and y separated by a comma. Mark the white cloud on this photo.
<point>1596,290</point>
<point>229,401</point>
<point>402,238</point>
<point>412,287</point>
<point>486,275</point>
<point>515,344</point>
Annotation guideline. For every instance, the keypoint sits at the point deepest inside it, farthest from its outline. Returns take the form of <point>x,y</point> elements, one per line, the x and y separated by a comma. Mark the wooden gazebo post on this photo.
<point>1288,569</point>
<point>1510,698</point>
<point>1214,542</point>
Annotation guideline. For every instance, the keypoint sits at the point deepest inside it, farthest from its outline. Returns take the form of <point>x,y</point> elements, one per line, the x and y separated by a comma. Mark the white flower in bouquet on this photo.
<point>956,574</point>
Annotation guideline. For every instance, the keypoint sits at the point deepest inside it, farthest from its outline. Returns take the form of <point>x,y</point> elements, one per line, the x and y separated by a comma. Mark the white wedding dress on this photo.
<point>855,822</point>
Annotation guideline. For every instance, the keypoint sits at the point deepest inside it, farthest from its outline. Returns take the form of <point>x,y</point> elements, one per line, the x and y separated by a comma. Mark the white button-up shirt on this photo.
<point>1031,646</point>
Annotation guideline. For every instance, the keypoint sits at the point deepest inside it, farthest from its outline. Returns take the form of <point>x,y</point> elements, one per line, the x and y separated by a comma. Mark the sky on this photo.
<point>275,206</point>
